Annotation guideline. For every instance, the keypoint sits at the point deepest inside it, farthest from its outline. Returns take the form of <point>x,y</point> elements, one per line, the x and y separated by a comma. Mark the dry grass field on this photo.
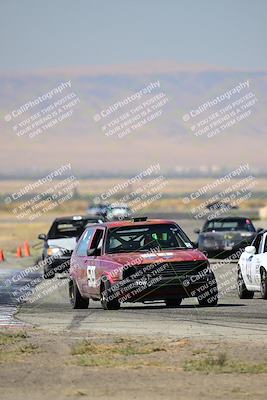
<point>118,367</point>
<point>14,231</point>
<point>96,186</point>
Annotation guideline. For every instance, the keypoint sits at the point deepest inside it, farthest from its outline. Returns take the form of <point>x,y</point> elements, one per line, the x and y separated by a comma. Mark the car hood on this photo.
<point>161,256</point>
<point>65,243</point>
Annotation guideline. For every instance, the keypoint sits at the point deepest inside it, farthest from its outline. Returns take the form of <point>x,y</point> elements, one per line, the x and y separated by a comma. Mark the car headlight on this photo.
<point>52,251</point>
<point>245,234</point>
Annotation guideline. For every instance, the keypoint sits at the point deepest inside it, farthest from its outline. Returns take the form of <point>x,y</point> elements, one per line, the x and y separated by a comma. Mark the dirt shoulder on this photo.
<point>40,365</point>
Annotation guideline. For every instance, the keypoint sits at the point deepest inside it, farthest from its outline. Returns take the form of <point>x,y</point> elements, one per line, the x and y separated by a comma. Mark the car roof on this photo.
<point>120,224</point>
<point>218,201</point>
<point>98,205</point>
<point>228,219</point>
<point>119,206</point>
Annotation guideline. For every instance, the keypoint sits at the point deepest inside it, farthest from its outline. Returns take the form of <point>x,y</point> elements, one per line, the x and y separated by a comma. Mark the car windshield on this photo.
<point>148,237</point>
<point>69,228</point>
<point>229,225</point>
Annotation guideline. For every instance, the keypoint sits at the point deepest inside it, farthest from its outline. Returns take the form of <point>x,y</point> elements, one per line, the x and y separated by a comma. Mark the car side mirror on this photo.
<point>42,236</point>
<point>197,230</point>
<point>91,252</point>
<point>250,249</point>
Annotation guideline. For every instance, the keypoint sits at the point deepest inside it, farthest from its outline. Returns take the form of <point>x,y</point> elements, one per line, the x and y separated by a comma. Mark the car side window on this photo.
<point>97,241</point>
<point>256,243</point>
<point>263,244</point>
<point>83,245</point>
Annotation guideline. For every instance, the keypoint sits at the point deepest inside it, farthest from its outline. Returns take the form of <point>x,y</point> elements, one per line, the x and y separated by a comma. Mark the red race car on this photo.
<point>139,260</point>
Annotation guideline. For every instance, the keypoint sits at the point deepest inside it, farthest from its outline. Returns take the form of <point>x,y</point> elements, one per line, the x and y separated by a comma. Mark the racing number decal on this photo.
<point>257,277</point>
<point>91,276</point>
<point>248,268</point>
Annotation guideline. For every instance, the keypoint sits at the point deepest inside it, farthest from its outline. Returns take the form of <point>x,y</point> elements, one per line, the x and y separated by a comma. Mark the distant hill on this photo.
<point>166,139</point>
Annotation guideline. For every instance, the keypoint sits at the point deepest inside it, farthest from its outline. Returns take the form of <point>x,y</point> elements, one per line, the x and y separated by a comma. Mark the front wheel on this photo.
<point>76,300</point>
<point>264,284</point>
<point>243,293</point>
<point>108,298</point>
<point>209,296</point>
<point>173,303</point>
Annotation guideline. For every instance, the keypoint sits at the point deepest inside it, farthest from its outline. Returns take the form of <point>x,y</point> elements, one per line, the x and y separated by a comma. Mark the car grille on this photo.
<point>209,242</point>
<point>173,269</point>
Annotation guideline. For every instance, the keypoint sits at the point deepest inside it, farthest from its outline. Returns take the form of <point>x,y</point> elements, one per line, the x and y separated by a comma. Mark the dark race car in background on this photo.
<point>60,241</point>
<point>110,212</point>
<point>118,212</point>
<point>97,210</point>
<point>220,205</point>
<point>221,237</point>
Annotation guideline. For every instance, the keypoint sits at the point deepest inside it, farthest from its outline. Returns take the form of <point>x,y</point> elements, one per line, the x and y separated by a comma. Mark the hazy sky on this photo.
<point>38,34</point>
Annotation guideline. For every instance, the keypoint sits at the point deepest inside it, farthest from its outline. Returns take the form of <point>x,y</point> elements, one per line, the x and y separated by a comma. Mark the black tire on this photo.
<point>209,297</point>
<point>173,303</point>
<point>243,293</point>
<point>105,293</point>
<point>264,284</point>
<point>76,300</point>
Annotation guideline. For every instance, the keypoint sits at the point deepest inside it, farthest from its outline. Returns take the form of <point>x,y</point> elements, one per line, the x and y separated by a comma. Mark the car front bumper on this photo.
<point>57,264</point>
<point>161,288</point>
<point>221,249</point>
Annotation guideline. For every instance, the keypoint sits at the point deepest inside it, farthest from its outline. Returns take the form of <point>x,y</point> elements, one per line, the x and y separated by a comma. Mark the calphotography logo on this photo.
<point>133,112</point>
<point>48,110</point>
<point>37,198</point>
<point>47,96</point>
<point>227,110</point>
<point>223,194</point>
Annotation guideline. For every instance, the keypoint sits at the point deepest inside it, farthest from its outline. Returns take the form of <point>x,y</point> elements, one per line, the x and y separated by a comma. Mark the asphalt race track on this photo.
<point>232,318</point>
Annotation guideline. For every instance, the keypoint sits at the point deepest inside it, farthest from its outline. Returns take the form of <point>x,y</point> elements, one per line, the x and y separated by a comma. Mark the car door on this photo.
<point>251,260</point>
<point>93,262</point>
<point>81,260</point>
<point>258,261</point>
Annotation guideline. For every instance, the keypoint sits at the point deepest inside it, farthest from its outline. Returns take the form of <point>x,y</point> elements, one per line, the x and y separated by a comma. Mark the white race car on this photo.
<point>252,268</point>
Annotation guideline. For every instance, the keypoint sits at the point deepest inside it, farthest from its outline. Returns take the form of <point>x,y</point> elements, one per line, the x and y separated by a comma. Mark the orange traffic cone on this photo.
<point>27,249</point>
<point>19,252</point>
<point>2,257</point>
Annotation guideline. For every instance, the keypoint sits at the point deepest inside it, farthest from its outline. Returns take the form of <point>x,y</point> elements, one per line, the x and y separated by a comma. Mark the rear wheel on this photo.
<point>264,284</point>
<point>108,298</point>
<point>76,300</point>
<point>243,293</point>
<point>173,303</point>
